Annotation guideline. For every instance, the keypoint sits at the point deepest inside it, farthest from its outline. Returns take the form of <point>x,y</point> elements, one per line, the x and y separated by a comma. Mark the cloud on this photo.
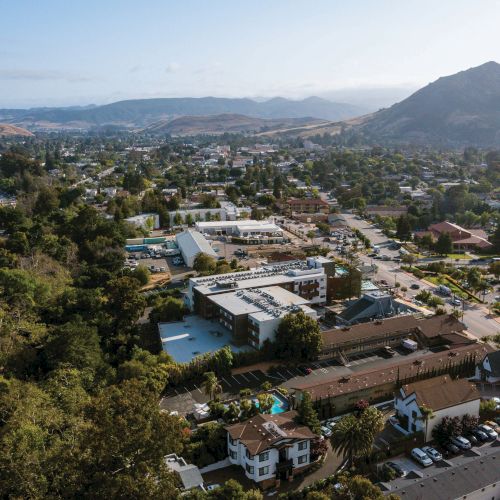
<point>172,67</point>
<point>39,75</point>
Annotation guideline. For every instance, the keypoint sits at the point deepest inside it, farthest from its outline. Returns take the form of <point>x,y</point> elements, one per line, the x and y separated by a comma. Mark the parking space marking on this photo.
<point>243,375</point>
<point>185,388</point>
<point>290,373</point>
<point>282,376</point>
<point>324,370</point>
<point>316,365</point>
<point>253,375</point>
<point>237,381</point>
<point>353,362</point>
<point>198,389</point>
<point>224,380</point>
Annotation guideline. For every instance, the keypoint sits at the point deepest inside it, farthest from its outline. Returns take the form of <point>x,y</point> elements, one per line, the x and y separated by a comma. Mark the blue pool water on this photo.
<point>279,405</point>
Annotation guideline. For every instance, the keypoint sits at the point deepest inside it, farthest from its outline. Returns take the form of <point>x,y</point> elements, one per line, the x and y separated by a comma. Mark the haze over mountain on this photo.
<point>144,112</point>
<point>460,109</point>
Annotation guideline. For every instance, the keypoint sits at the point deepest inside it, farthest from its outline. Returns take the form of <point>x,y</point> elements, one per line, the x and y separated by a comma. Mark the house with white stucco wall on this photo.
<point>422,405</point>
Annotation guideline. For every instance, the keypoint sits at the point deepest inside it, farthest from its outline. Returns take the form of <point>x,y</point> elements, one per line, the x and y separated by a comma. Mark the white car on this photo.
<point>212,487</point>
<point>461,442</point>
<point>488,431</point>
<point>326,431</point>
<point>421,457</point>
<point>432,453</point>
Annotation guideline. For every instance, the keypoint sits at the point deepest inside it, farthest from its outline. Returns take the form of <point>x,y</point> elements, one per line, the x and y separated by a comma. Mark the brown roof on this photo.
<point>440,324</point>
<point>257,438</point>
<point>369,330</point>
<point>442,392</point>
<point>430,327</point>
<point>357,381</point>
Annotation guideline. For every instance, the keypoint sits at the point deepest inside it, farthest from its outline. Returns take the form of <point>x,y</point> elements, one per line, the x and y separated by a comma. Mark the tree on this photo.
<point>232,490</point>
<point>311,235</point>
<point>469,423</point>
<point>168,309</point>
<point>141,274</point>
<point>403,228</point>
<point>298,338</point>
<point>307,414</point>
<point>446,429</point>
<point>354,436</point>
<point>360,488</point>
<point>266,402</point>
<point>427,414</point>
<point>211,385</point>
<point>204,264</point>
<point>444,244</point>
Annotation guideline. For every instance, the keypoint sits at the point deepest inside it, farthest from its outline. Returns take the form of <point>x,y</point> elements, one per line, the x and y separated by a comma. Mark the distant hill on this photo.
<point>141,113</point>
<point>461,109</point>
<point>219,124</point>
<point>7,130</point>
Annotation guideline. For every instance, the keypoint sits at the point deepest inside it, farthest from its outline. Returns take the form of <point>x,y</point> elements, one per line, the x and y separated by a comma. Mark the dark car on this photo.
<point>479,434</point>
<point>305,370</point>
<point>397,469</point>
<point>415,286</point>
<point>451,448</point>
<point>474,441</point>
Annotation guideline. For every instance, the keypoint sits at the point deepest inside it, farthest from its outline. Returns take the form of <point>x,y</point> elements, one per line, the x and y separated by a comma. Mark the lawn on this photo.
<point>442,280</point>
<point>461,256</point>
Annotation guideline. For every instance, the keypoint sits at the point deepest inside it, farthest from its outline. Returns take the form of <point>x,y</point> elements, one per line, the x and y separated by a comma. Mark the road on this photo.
<point>476,317</point>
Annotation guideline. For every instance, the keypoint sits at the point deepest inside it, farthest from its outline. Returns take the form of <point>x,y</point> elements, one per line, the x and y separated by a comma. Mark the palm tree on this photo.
<point>211,385</point>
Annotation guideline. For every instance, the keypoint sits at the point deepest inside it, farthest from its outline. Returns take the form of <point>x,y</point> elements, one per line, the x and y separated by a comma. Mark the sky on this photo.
<point>79,52</point>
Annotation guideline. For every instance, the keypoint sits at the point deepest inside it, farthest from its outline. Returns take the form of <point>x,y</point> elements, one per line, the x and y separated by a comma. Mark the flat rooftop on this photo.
<point>255,278</point>
<point>263,304</point>
<point>194,336</point>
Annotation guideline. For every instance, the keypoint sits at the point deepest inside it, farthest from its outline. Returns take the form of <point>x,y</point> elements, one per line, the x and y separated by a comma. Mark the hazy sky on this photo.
<point>63,52</point>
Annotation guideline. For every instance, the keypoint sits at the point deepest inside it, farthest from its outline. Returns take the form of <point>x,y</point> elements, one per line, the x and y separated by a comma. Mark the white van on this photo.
<point>409,344</point>
<point>421,457</point>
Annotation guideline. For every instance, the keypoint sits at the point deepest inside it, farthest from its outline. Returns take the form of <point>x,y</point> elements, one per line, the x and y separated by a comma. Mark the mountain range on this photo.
<point>141,113</point>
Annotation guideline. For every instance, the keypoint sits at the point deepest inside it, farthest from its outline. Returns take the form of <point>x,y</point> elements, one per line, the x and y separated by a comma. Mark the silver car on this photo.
<point>432,453</point>
<point>461,442</point>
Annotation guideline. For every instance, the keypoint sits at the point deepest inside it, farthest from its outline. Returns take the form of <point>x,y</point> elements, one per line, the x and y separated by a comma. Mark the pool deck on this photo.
<point>194,336</point>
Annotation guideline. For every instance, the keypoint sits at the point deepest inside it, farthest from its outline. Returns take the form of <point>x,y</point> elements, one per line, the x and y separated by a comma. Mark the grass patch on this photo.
<point>461,256</point>
<point>443,280</point>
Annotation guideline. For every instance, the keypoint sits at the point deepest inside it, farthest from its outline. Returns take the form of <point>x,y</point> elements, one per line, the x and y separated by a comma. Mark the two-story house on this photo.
<point>421,406</point>
<point>489,368</point>
<point>270,448</point>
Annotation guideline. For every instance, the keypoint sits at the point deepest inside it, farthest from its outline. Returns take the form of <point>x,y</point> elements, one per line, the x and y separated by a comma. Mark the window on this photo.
<point>302,445</point>
<point>264,470</point>
<point>250,469</point>
<point>264,456</point>
<point>250,457</point>
<point>302,459</point>
<point>233,454</point>
<point>233,441</point>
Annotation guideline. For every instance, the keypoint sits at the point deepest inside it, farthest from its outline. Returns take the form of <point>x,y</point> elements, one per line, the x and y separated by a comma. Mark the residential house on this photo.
<point>270,448</point>
<point>420,406</point>
<point>489,369</point>
<point>188,474</point>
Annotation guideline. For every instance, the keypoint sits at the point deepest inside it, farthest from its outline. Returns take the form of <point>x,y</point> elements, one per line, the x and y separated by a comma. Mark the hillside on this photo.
<point>7,130</point>
<point>461,109</point>
<point>144,112</point>
<point>219,124</point>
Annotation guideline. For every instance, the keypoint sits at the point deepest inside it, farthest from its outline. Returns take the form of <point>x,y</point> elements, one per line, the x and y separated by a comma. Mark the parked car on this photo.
<point>456,302</point>
<point>388,351</point>
<point>432,453</point>
<point>474,441</point>
<point>397,469</point>
<point>326,431</point>
<point>305,370</point>
<point>461,442</point>
<point>421,457</point>
<point>479,434</point>
<point>415,286</point>
<point>212,487</point>
<point>451,448</point>
<point>492,424</point>
<point>488,431</point>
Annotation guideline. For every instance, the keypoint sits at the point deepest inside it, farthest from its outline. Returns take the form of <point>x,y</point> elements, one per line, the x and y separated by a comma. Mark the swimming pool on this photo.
<point>279,404</point>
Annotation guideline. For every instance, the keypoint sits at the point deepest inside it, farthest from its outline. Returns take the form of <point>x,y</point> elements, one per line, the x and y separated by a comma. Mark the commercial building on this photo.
<point>370,306</point>
<point>270,448</point>
<point>254,314</point>
<point>192,243</point>
<point>304,205</point>
<point>245,231</point>
<point>338,395</point>
<point>463,239</point>
<point>148,221</point>
<point>299,277</point>
<point>227,212</point>
<point>443,395</point>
